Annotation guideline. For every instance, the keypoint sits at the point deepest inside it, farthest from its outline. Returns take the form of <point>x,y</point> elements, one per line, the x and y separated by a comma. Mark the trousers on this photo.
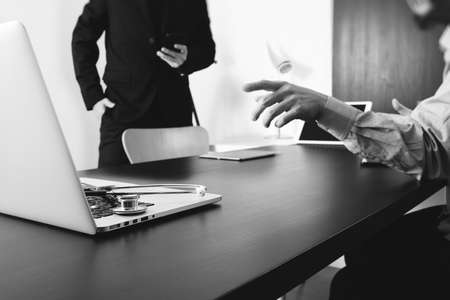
<point>408,260</point>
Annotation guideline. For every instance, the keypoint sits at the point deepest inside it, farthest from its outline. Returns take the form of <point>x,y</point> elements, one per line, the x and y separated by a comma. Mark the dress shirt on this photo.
<point>416,142</point>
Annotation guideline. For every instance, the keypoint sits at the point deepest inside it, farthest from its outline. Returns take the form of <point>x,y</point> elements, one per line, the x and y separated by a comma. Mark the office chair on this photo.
<point>144,145</point>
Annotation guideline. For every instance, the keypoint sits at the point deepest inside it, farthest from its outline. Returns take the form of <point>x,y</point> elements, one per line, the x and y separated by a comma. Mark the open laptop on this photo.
<point>38,179</point>
<point>312,134</point>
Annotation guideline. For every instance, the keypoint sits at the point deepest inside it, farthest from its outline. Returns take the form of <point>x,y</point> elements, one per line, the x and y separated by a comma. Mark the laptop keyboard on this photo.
<point>101,206</point>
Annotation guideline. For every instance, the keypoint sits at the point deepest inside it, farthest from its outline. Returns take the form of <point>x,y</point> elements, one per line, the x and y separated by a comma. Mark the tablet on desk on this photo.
<point>238,155</point>
<point>312,134</point>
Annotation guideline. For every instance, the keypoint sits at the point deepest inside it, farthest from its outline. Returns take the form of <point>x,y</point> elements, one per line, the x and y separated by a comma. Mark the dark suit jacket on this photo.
<point>134,75</point>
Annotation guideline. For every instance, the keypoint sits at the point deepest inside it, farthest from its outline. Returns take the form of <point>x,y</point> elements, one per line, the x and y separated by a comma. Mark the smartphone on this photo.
<point>170,39</point>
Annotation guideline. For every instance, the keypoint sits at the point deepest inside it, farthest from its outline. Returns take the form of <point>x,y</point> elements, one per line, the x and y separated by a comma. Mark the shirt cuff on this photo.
<point>92,96</point>
<point>183,69</point>
<point>338,118</point>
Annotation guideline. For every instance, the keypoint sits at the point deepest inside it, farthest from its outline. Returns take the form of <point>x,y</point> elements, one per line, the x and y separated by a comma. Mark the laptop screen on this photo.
<point>312,132</point>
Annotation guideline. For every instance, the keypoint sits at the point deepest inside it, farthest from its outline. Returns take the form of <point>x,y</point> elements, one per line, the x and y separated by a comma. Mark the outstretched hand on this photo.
<point>285,101</point>
<point>400,108</point>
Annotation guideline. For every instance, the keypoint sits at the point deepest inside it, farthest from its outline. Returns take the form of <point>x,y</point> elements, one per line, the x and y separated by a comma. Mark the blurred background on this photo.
<point>243,30</point>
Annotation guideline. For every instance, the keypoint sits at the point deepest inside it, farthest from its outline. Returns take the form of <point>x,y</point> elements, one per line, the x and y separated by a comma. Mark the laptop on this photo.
<point>38,179</point>
<point>312,134</point>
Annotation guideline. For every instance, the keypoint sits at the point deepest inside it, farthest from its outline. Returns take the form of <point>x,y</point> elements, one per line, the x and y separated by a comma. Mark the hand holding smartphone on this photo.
<point>171,39</point>
<point>174,50</point>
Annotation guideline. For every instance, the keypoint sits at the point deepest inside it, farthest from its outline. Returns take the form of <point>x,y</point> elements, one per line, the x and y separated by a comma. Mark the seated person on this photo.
<point>411,258</point>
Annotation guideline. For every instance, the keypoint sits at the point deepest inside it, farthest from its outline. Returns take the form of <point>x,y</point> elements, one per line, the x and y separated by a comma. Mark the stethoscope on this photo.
<point>129,201</point>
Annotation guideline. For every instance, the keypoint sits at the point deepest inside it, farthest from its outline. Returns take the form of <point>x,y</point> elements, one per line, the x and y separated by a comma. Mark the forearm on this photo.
<point>200,57</point>
<point>88,78</point>
<point>396,141</point>
<point>90,26</point>
<point>414,142</point>
<point>202,48</point>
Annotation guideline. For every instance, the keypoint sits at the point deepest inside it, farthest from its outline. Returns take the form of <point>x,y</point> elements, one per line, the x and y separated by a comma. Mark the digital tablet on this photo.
<point>238,155</point>
<point>312,134</point>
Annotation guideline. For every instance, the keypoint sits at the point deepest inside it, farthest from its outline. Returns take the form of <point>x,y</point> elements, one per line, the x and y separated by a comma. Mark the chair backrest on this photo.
<point>143,145</point>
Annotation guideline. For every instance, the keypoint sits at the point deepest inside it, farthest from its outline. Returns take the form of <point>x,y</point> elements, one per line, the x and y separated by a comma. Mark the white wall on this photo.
<point>50,24</point>
<point>240,28</point>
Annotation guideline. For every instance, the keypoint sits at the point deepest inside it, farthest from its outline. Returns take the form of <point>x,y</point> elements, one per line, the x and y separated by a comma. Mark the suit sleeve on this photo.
<point>201,48</point>
<point>90,26</point>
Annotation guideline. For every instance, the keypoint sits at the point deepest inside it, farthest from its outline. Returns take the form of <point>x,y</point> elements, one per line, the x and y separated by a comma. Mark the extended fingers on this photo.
<point>174,58</point>
<point>173,62</point>
<point>263,85</point>
<point>108,103</point>
<point>261,106</point>
<point>400,108</point>
<point>166,57</point>
<point>277,109</point>
<point>258,108</point>
<point>183,48</point>
<point>288,116</point>
<point>174,54</point>
<point>277,96</point>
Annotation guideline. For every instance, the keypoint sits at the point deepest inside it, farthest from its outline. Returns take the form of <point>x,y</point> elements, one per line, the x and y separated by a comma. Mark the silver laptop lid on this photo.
<point>38,179</point>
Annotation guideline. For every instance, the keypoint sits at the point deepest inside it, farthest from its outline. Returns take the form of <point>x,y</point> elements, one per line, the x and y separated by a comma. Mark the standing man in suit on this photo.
<point>151,48</point>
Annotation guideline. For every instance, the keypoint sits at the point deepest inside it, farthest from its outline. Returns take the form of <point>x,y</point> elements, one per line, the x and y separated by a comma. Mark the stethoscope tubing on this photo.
<point>110,190</point>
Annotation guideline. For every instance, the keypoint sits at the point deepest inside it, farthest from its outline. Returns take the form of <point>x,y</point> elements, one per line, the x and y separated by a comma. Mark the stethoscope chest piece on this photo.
<point>129,201</point>
<point>129,205</point>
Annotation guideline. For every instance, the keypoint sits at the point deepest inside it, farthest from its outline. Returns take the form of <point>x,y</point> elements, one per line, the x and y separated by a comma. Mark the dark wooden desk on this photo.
<point>281,220</point>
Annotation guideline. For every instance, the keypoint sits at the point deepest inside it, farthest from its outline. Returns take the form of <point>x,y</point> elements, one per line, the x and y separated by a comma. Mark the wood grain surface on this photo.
<point>379,53</point>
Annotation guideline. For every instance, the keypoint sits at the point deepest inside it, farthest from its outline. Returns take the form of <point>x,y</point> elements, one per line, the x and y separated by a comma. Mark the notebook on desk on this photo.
<point>238,155</point>
<point>41,181</point>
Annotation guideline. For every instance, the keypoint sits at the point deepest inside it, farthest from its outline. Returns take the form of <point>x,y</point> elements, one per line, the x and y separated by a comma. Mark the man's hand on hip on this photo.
<point>101,106</point>
<point>175,59</point>
<point>287,101</point>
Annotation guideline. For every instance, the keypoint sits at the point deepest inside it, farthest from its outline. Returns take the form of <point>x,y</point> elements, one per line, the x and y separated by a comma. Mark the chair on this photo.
<point>144,145</point>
